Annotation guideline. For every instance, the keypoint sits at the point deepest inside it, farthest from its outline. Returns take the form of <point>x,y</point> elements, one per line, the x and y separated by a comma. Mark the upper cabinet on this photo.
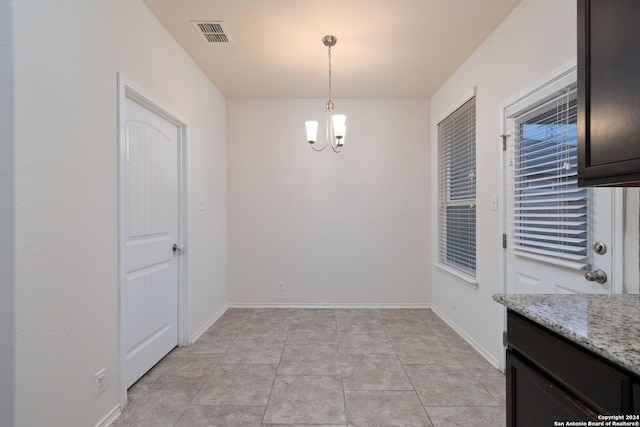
<point>609,92</point>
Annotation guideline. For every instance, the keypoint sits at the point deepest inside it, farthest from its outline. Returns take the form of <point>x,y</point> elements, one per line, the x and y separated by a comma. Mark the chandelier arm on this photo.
<point>320,149</point>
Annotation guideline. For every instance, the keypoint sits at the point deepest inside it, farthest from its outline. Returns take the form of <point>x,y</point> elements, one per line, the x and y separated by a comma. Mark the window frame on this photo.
<point>537,103</point>
<point>454,193</point>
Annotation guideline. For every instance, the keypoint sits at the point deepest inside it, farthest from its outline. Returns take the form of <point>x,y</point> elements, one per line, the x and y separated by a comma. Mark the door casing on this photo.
<point>127,89</point>
<point>617,221</point>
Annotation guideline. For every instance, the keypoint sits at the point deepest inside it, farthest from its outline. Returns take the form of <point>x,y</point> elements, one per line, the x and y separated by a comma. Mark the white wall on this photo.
<point>535,42</point>
<point>7,252</point>
<point>348,228</point>
<point>67,55</point>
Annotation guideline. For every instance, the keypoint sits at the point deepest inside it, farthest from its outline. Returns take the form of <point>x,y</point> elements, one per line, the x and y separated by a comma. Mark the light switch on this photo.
<point>201,204</point>
<point>494,202</point>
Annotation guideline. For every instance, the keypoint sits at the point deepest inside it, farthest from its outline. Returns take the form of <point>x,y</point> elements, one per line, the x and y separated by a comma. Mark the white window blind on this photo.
<point>548,210</point>
<point>457,189</point>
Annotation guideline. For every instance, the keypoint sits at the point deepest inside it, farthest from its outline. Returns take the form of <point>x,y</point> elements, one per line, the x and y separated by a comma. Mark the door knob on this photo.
<point>596,276</point>
<point>177,247</point>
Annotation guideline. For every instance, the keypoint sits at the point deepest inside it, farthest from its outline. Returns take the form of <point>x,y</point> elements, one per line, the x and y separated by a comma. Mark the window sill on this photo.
<point>464,278</point>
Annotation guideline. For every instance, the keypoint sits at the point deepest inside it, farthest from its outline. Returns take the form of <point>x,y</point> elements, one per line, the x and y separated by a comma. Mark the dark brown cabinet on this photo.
<point>608,92</point>
<point>534,400</point>
<point>552,379</point>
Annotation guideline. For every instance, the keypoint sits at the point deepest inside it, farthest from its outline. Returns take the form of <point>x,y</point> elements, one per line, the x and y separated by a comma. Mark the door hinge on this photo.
<point>504,241</point>
<point>504,338</point>
<point>504,142</point>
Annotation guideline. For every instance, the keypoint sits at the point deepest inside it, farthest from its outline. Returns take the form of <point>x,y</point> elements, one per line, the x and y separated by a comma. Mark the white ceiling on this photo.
<point>385,49</point>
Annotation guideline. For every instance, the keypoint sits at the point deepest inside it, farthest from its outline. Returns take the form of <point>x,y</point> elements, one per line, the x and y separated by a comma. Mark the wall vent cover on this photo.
<point>212,31</point>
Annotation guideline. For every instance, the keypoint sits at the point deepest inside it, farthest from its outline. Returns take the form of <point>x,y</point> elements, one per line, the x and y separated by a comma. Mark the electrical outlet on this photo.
<point>281,286</point>
<point>99,382</point>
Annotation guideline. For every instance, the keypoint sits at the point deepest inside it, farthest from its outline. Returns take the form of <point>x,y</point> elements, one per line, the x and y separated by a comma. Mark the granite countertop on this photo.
<point>608,325</point>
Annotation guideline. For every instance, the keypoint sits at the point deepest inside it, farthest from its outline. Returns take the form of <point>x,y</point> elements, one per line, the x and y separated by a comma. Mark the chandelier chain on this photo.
<point>329,72</point>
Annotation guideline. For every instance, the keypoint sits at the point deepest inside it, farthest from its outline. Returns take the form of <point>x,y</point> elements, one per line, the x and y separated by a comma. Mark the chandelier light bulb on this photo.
<point>312,131</point>
<point>339,126</point>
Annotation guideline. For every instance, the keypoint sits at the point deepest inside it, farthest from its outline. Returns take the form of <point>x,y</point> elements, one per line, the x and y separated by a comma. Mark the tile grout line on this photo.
<point>264,413</point>
<point>190,404</point>
<point>344,392</point>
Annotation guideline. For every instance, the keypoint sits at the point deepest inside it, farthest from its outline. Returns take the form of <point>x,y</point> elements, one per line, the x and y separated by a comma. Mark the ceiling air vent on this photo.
<point>212,31</point>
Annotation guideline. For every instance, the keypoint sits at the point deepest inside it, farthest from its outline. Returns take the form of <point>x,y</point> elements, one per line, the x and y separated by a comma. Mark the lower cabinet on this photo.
<point>550,379</point>
<point>533,400</point>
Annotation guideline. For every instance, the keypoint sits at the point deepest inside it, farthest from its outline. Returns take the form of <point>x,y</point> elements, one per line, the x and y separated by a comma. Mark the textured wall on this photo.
<point>347,228</point>
<point>7,220</point>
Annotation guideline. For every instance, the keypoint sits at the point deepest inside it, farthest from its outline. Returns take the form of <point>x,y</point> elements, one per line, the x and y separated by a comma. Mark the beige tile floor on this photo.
<point>321,367</point>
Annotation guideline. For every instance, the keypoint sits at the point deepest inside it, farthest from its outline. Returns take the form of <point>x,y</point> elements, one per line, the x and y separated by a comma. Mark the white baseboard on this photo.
<point>330,305</point>
<point>110,417</point>
<point>208,324</point>
<point>484,353</point>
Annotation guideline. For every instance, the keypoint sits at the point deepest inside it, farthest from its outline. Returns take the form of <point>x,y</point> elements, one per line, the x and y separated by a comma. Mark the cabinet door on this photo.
<point>534,401</point>
<point>608,92</point>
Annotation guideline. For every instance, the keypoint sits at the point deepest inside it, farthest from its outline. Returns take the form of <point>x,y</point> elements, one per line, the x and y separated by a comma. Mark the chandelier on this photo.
<point>335,123</point>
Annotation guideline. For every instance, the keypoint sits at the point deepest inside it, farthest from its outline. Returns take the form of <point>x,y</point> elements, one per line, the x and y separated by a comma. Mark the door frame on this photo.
<point>617,196</point>
<point>127,89</point>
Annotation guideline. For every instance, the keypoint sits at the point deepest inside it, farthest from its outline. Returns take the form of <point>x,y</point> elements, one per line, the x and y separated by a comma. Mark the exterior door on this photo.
<point>560,237</point>
<point>528,275</point>
<point>149,176</point>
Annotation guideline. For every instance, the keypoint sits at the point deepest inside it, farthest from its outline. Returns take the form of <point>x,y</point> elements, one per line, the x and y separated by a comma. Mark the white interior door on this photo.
<point>149,230</point>
<point>560,238</point>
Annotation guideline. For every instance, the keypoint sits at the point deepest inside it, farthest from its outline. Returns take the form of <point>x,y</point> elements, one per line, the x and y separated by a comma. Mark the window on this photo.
<point>457,190</point>
<point>548,210</point>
